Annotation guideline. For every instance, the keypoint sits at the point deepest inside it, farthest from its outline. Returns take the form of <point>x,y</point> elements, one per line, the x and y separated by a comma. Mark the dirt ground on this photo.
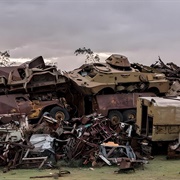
<point>158,168</point>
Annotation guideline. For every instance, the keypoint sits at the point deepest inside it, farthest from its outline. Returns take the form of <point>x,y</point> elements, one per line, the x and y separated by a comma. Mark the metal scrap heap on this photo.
<point>36,129</point>
<point>171,71</point>
<point>90,139</point>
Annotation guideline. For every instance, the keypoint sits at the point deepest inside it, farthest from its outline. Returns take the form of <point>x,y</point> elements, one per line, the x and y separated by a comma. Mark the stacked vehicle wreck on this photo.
<point>27,93</point>
<point>33,88</point>
<point>88,114</point>
<point>112,88</point>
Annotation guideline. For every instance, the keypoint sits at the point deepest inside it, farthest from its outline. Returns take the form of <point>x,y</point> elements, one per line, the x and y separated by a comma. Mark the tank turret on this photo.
<point>118,60</point>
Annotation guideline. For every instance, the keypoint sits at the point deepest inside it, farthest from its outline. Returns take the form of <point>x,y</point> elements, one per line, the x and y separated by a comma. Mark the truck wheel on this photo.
<point>129,115</point>
<point>59,113</point>
<point>115,117</point>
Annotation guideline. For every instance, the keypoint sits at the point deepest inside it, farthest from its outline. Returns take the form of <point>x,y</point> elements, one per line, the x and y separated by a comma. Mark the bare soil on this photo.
<point>159,169</point>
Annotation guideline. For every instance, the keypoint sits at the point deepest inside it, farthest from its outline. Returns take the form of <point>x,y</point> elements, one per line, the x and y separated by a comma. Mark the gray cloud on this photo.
<point>141,30</point>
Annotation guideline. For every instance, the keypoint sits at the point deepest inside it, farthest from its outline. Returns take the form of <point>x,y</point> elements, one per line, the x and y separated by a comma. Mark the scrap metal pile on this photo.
<point>171,71</point>
<point>56,136</point>
<point>91,139</point>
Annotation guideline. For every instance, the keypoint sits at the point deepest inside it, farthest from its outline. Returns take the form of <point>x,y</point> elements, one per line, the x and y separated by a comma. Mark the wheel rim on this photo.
<point>131,117</point>
<point>60,116</point>
<point>115,120</point>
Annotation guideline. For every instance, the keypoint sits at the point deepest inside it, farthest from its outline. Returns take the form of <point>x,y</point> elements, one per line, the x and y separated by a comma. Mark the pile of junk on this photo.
<point>87,140</point>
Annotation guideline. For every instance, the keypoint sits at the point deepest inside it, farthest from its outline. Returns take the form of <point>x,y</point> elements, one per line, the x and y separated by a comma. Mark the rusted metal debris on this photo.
<point>95,143</point>
<point>12,141</point>
<point>55,175</point>
<point>21,103</point>
<point>171,71</point>
<point>174,149</point>
<point>41,145</point>
<point>33,88</point>
<point>93,138</point>
<point>174,89</point>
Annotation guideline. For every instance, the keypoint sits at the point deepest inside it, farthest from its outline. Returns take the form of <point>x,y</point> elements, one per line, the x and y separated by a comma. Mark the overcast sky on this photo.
<point>140,30</point>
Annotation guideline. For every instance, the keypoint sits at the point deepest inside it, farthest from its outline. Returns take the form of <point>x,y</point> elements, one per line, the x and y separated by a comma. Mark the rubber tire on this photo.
<point>57,109</point>
<point>115,114</point>
<point>128,113</point>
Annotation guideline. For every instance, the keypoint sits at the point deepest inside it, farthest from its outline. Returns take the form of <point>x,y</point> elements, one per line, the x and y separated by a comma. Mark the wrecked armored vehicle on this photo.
<point>31,77</point>
<point>158,118</point>
<point>159,121</point>
<point>20,103</point>
<point>39,85</point>
<point>116,75</point>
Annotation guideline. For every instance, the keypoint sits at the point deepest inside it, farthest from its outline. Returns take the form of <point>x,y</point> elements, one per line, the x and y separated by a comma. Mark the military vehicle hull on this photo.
<point>100,78</point>
<point>158,118</point>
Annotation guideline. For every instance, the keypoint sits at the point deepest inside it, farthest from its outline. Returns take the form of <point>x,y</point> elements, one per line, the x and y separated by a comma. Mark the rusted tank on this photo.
<point>116,75</point>
<point>32,77</point>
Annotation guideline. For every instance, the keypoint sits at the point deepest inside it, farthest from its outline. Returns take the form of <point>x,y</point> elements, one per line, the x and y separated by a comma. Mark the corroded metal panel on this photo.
<point>118,101</point>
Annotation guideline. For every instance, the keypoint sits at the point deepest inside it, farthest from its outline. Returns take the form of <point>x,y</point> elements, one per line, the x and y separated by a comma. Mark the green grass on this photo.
<point>159,169</point>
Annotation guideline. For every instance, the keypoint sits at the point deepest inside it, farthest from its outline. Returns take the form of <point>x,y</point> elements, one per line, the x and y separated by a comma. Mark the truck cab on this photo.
<point>33,109</point>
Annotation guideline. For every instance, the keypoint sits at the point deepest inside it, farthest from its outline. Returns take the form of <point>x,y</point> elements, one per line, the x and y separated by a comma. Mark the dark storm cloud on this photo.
<point>141,30</point>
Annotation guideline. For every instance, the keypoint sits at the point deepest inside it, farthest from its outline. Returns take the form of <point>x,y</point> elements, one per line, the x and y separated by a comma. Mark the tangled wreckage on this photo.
<point>90,139</point>
<point>46,116</point>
